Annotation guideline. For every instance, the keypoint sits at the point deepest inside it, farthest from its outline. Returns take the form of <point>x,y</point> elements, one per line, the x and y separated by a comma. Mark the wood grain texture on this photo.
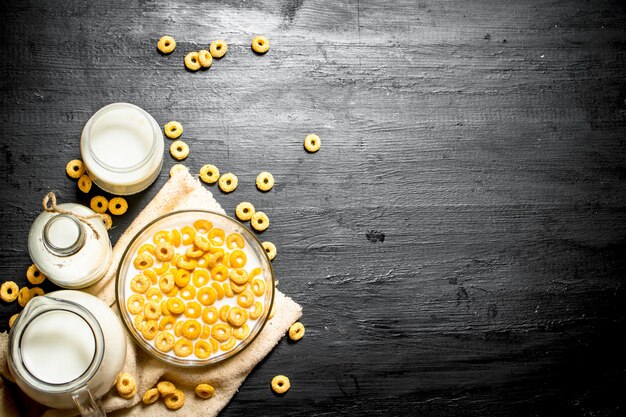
<point>458,244</point>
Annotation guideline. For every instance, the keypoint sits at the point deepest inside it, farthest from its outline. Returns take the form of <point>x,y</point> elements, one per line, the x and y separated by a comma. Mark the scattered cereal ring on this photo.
<point>296,331</point>
<point>235,239</point>
<point>238,275</point>
<point>84,183</point>
<point>221,332</point>
<point>205,391</point>
<point>219,290</point>
<point>270,249</point>
<point>118,206</point>
<point>237,316</point>
<point>164,309</point>
<point>151,396</point>
<point>179,149</point>
<point>258,310</point>
<point>175,305</point>
<point>126,385</point>
<point>99,204</point>
<point>209,173</point>
<point>219,273</point>
<point>166,388</point>
<point>162,236</point>
<point>177,168</point>
<point>188,292</point>
<point>228,182</point>
<point>193,310</point>
<point>164,341</point>
<point>186,263</point>
<point>167,322</point>
<point>134,304</point>
<point>34,275</point>
<point>9,291</point>
<point>202,349</point>
<point>36,292</point>
<point>218,48</point>
<point>140,283</point>
<point>214,258</point>
<point>182,278</point>
<point>194,252</point>
<point>75,168</point>
<point>154,294</point>
<point>143,261</point>
<point>140,322</point>
<point>312,143</point>
<point>280,384</point>
<point>205,58</point>
<point>207,296</point>
<point>12,319</point>
<point>167,283</point>
<point>237,259</point>
<point>166,44</point>
<point>160,270</point>
<point>223,312</point>
<point>260,221</point>
<point>191,61</point>
<point>202,242</point>
<point>173,130</point>
<point>24,296</point>
<point>152,310</point>
<point>228,291</point>
<point>164,252</point>
<point>264,181</point>
<point>183,347</point>
<point>242,332</point>
<point>146,247</point>
<point>209,315</point>
<point>258,287</point>
<point>260,44</point>
<point>206,332</point>
<point>202,226</point>
<point>244,211</point>
<point>200,277</point>
<point>228,345</point>
<point>175,400</point>
<point>188,235</point>
<point>178,329</point>
<point>245,299</point>
<point>176,237</point>
<point>107,220</point>
<point>236,288</point>
<point>150,329</point>
<point>216,236</point>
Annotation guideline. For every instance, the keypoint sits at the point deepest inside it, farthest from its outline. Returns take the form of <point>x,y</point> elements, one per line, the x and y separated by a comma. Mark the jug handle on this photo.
<point>87,406</point>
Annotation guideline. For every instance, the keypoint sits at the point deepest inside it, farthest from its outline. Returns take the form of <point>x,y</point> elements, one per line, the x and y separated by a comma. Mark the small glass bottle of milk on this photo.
<point>122,148</point>
<point>69,252</point>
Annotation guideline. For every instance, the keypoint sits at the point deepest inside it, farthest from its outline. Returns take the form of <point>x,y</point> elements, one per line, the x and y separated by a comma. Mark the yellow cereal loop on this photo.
<point>270,250</point>
<point>24,296</point>
<point>242,332</point>
<point>175,400</point>
<point>152,310</point>
<point>257,310</point>
<point>219,273</point>
<point>202,349</point>
<point>238,288</point>
<point>172,293</point>
<point>206,332</point>
<point>126,385</point>
<point>164,341</point>
<point>154,294</point>
<point>193,310</point>
<point>209,315</point>
<point>280,384</point>
<point>75,168</point>
<point>183,347</point>
<point>152,395</point>
<point>164,252</point>
<point>228,182</point>
<point>175,305</point>
<point>237,316</point>
<point>264,181</point>
<point>84,183</point>
<point>296,331</point>
<point>182,278</point>
<point>186,263</point>
<point>258,287</point>
<point>201,277</point>
<point>218,48</point>
<point>254,273</point>
<point>209,174</point>
<point>36,292</point>
<point>191,61</point>
<point>216,236</point>
<point>9,291</point>
<point>238,259</point>
<point>178,328</point>
<point>188,235</point>
<point>146,247</point>
<point>219,290</point>
<point>118,206</point>
<point>12,319</point>
<point>228,291</point>
<point>135,304</point>
<point>177,168</point>
<point>191,329</point>
<point>166,283</point>
<point>160,270</point>
<point>312,143</point>
<point>244,211</point>
<point>150,330</point>
<point>107,220</point>
<point>166,44</point>
<point>228,345</point>
<point>194,252</point>
<point>223,312</point>
<point>167,323</point>
<point>166,388</point>
<point>162,236</point>
<point>202,242</point>
<point>235,240</point>
<point>176,237</point>
<point>143,261</point>
<point>245,299</point>
<point>214,344</point>
<point>140,322</point>
<point>34,275</point>
<point>164,309</point>
<point>204,58</point>
<point>99,204</point>
<point>179,150</point>
<point>221,332</point>
<point>215,258</point>
<point>260,221</point>
<point>238,275</point>
<point>205,391</point>
<point>173,130</point>
<point>188,292</point>
<point>260,44</point>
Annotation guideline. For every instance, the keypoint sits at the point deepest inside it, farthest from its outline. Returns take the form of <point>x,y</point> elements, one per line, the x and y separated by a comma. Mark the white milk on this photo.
<point>63,232</point>
<point>57,347</point>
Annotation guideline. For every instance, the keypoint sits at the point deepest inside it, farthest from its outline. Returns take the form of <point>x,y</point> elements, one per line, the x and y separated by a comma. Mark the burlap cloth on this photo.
<point>180,192</point>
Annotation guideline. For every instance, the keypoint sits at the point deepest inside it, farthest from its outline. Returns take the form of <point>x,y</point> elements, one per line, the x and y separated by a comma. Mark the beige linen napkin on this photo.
<point>180,192</point>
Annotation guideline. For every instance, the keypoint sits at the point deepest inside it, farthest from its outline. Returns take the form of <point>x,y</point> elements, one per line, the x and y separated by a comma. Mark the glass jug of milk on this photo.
<point>58,354</point>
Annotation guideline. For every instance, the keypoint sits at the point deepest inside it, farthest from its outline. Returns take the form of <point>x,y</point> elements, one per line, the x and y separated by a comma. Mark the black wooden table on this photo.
<point>459,242</point>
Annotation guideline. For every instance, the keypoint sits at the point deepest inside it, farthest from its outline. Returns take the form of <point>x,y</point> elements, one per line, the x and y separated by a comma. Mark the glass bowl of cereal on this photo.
<point>194,287</point>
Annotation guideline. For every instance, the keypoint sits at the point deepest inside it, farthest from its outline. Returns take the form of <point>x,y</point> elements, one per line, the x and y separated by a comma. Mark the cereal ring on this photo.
<point>152,310</point>
<point>178,329</point>
<point>164,309</point>
<point>264,181</point>
<point>236,288</point>
<point>151,396</point>
<point>176,237</point>
<point>244,211</point>
<point>237,316</point>
<point>228,291</point>
<point>12,319</point>
<point>205,391</point>
<point>228,182</point>
<point>140,322</point>
<point>209,174</point>
<point>225,259</point>
<point>167,323</point>
<point>177,168</point>
<point>175,305</point>
<point>126,385</point>
<point>134,304</point>
<point>235,239</point>
<point>219,290</point>
<point>245,299</point>
<point>270,249</point>
<point>242,332</point>
<point>162,236</point>
<point>118,206</point>
<point>202,349</point>
<point>84,183</point>
<point>143,261</point>
<point>150,330</point>
<point>254,273</point>
<point>219,273</point>
<point>99,204</point>
<point>259,221</point>
<point>193,310</point>
<point>201,226</point>
<point>206,332</point>
<point>296,331</point>
<point>164,341</point>
<point>200,277</point>
<point>312,143</point>
<point>188,235</point>
<point>173,130</point>
<point>238,275</point>
<point>183,347</point>
<point>75,168</point>
<point>160,270</point>
<point>166,44</point>
<point>258,287</point>
<point>218,48</point>
<point>179,150</point>
<point>9,291</point>
<point>188,292</point>
<point>221,332</point>
<point>194,252</point>
<point>216,236</point>
<point>24,296</point>
<point>223,313</point>
<point>238,259</point>
<point>280,384</point>
<point>202,242</point>
<point>205,58</point>
<point>154,294</point>
<point>186,263</point>
<point>182,278</point>
<point>166,387</point>
<point>209,315</point>
<point>258,310</point>
<point>167,283</point>
<point>36,292</point>
<point>164,252</point>
<point>146,247</point>
<point>215,258</point>
<point>228,345</point>
<point>107,220</point>
<point>175,400</point>
<point>191,61</point>
<point>260,44</point>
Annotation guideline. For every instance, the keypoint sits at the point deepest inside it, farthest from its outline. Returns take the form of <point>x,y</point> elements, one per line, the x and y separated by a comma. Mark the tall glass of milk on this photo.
<point>57,351</point>
<point>122,148</point>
